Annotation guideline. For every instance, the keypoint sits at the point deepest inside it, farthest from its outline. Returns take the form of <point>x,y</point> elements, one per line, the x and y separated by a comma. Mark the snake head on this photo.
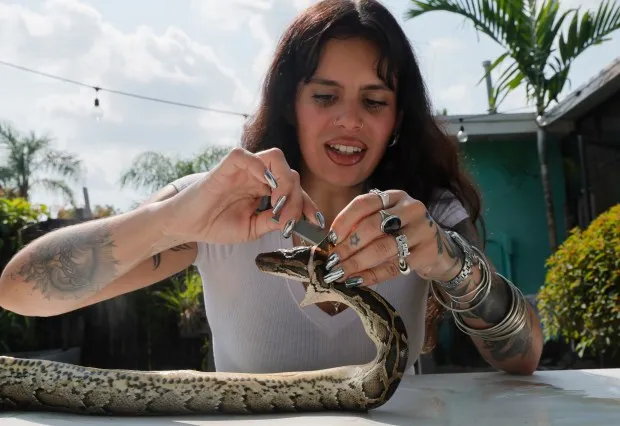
<point>288,263</point>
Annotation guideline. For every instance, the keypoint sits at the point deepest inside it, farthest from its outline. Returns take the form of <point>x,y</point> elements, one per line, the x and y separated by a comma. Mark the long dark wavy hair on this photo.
<point>423,160</point>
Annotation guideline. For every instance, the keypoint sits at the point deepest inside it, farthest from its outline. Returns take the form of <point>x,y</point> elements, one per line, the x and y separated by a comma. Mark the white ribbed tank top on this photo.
<point>258,326</point>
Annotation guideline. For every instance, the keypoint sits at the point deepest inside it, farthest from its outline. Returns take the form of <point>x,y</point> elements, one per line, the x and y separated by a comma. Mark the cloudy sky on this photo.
<point>211,53</point>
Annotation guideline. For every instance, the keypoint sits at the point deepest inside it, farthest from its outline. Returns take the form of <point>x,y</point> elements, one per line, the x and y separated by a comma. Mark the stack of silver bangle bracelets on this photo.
<point>516,317</point>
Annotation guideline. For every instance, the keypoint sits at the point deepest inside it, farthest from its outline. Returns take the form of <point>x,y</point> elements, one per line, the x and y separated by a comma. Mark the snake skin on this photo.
<point>39,385</point>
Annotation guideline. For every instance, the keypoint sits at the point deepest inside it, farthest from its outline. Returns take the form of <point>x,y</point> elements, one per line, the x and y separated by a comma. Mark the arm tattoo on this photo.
<point>443,242</point>
<point>157,257</point>
<point>73,266</point>
<point>519,344</point>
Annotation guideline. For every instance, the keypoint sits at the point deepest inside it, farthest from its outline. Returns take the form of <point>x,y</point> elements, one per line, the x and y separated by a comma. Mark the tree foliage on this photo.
<point>530,33</point>
<point>15,213</point>
<point>31,162</point>
<point>151,170</point>
<point>97,212</point>
<point>580,300</point>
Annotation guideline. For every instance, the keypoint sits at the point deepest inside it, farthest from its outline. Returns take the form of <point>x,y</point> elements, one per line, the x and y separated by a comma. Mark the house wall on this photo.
<point>508,175</point>
<point>601,134</point>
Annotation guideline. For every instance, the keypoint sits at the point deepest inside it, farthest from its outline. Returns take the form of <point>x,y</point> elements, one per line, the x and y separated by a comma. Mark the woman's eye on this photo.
<point>324,99</point>
<point>373,104</point>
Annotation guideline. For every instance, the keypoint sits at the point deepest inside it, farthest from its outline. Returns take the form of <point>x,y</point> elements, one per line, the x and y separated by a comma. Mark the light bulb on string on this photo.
<point>462,135</point>
<point>97,111</point>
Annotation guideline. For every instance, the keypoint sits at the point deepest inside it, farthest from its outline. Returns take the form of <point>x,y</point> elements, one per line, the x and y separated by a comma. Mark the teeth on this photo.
<point>346,149</point>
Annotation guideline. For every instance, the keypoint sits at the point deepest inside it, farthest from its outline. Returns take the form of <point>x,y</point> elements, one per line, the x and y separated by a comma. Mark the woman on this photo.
<point>343,110</point>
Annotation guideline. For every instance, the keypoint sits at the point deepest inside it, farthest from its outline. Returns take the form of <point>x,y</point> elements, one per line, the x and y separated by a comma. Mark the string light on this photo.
<point>462,135</point>
<point>540,120</point>
<point>99,111</point>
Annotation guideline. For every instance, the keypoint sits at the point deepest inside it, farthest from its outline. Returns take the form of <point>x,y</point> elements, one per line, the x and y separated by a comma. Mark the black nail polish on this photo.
<point>332,237</point>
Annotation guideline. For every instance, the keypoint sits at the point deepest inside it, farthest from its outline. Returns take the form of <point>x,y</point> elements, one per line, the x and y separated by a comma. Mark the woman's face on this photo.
<point>345,115</point>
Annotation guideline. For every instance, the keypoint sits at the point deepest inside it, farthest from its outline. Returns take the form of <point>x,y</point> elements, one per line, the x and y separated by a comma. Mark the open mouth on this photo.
<point>344,154</point>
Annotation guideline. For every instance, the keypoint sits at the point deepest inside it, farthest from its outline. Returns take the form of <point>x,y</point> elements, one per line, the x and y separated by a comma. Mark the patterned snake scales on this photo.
<point>39,385</point>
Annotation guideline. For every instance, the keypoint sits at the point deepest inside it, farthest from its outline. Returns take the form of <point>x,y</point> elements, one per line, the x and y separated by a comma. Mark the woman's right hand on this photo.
<point>221,207</point>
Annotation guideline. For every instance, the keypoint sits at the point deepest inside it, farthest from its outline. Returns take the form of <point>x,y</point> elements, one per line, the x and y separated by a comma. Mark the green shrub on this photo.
<point>184,297</point>
<point>580,300</point>
<point>15,330</point>
<point>14,214</point>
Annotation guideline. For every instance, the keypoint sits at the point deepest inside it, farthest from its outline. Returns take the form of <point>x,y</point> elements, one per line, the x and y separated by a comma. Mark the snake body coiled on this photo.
<point>40,385</point>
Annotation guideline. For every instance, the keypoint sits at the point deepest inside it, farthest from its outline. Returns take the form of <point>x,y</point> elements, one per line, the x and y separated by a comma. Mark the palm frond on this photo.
<point>61,162</point>
<point>8,135</point>
<point>529,32</point>
<point>210,157</point>
<point>504,21</point>
<point>55,185</point>
<point>6,176</point>
<point>592,30</point>
<point>149,170</point>
<point>508,81</point>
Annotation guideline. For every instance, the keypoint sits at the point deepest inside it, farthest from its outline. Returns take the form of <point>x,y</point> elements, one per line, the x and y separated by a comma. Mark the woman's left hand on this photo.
<point>365,255</point>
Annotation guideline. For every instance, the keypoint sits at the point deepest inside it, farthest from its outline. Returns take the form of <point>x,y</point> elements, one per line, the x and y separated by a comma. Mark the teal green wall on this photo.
<point>508,176</point>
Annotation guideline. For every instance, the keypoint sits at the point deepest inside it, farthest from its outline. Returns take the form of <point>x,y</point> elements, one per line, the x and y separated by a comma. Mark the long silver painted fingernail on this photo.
<point>275,218</point>
<point>332,260</point>
<point>321,219</point>
<point>271,180</point>
<point>334,275</point>
<point>353,282</point>
<point>288,228</point>
<point>279,205</point>
<point>332,237</point>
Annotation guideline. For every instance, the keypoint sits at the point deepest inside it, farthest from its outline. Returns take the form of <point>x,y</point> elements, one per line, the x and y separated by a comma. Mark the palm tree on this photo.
<point>540,55</point>
<point>153,170</point>
<point>28,160</point>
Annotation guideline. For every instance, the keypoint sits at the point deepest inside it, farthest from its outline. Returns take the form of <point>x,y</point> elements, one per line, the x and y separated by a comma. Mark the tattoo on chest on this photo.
<point>73,266</point>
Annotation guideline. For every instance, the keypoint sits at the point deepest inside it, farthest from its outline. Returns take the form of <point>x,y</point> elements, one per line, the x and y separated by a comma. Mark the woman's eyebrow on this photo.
<point>328,82</point>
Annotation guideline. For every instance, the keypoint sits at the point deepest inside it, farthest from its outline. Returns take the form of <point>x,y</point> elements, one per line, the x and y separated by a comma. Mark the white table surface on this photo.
<point>569,397</point>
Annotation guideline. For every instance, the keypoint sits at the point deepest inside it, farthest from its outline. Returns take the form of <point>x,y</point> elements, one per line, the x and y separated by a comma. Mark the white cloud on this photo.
<point>260,33</point>
<point>454,93</point>
<point>446,45</point>
<point>584,4</point>
<point>302,4</point>
<point>71,39</point>
<point>458,98</point>
<point>230,15</point>
<point>211,53</point>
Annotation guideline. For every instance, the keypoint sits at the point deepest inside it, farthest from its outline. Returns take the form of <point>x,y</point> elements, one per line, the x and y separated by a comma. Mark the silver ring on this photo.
<point>403,267</point>
<point>403,245</point>
<point>385,197</point>
<point>389,223</point>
